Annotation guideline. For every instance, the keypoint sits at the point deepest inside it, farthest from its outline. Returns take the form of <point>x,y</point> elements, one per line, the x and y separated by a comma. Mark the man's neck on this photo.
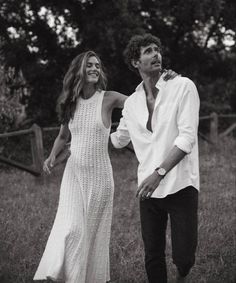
<point>150,84</point>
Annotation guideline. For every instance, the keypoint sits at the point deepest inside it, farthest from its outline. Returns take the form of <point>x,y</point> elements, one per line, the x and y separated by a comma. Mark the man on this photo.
<point>161,119</point>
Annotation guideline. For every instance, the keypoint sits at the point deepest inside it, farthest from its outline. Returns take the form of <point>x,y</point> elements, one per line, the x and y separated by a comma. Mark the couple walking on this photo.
<point>161,120</point>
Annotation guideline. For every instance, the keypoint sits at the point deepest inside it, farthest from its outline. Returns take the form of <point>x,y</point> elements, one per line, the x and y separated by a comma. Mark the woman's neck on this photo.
<point>88,91</point>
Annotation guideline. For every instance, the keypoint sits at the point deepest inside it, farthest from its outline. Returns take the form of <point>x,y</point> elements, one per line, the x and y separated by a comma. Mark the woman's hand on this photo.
<point>169,74</point>
<point>48,164</point>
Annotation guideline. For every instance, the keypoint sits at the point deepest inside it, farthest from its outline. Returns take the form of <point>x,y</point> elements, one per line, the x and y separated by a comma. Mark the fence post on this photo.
<point>37,147</point>
<point>214,128</point>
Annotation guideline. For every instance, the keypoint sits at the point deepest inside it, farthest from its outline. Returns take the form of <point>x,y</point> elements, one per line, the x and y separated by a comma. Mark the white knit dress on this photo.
<point>77,250</point>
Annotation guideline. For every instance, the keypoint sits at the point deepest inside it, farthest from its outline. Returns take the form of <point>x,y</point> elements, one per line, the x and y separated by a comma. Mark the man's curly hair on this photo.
<point>132,51</point>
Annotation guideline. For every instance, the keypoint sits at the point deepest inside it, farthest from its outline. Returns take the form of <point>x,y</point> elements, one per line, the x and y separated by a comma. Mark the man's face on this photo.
<point>150,61</point>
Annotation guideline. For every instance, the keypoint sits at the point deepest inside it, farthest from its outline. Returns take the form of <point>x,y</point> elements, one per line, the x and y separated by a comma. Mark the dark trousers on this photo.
<point>182,210</point>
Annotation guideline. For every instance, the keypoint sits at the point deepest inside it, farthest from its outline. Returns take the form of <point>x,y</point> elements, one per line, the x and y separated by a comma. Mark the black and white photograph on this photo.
<point>117,141</point>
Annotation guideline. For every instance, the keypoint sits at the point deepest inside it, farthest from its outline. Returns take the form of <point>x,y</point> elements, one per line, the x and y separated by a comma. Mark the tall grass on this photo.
<point>28,207</point>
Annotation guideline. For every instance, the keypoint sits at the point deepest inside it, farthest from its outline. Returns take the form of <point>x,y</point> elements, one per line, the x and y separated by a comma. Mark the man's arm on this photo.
<point>148,186</point>
<point>121,138</point>
<point>187,121</point>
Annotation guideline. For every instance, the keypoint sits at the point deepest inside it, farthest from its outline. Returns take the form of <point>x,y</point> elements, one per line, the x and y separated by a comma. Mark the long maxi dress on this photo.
<point>77,250</point>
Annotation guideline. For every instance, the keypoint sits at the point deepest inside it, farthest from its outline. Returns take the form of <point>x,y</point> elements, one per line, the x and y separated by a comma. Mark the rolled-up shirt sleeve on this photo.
<point>188,118</point>
<point>121,138</point>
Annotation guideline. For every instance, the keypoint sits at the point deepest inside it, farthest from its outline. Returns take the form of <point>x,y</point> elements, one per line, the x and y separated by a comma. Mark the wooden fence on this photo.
<point>37,149</point>
<point>36,141</point>
<point>214,135</point>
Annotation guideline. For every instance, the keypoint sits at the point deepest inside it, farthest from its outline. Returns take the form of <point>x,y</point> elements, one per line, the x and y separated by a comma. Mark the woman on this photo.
<point>78,246</point>
<point>77,250</point>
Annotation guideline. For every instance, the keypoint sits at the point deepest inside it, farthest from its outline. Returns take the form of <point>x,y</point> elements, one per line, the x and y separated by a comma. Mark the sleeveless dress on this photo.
<point>77,250</point>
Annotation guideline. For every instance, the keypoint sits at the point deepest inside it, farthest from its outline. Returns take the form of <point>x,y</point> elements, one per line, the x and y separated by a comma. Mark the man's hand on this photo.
<point>148,186</point>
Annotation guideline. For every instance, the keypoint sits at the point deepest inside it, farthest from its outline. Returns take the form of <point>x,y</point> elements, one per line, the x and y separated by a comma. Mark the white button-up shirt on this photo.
<point>174,123</point>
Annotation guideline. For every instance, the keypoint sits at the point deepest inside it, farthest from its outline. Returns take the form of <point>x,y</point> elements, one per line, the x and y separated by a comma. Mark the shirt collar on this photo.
<point>160,83</point>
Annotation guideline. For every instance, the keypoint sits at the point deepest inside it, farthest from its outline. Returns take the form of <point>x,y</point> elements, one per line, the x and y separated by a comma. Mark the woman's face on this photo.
<point>92,70</point>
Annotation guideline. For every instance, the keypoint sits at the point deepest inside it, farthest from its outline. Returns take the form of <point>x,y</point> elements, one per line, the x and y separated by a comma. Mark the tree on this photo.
<point>13,98</point>
<point>41,38</point>
<point>199,41</point>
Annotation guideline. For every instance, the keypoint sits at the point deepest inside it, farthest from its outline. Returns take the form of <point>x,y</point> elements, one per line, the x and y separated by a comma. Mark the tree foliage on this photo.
<point>41,38</point>
<point>13,99</point>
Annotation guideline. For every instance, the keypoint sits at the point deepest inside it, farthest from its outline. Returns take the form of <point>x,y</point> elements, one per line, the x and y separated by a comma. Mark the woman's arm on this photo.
<point>118,99</point>
<point>58,145</point>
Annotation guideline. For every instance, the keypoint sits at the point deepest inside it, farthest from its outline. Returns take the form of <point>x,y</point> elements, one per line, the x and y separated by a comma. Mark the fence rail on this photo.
<point>37,149</point>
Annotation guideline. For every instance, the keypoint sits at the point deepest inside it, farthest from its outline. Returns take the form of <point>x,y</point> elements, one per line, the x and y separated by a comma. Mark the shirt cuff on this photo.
<point>115,141</point>
<point>183,144</point>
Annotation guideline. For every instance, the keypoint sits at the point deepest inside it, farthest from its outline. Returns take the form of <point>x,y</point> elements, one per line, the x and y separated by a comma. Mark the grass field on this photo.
<point>28,207</point>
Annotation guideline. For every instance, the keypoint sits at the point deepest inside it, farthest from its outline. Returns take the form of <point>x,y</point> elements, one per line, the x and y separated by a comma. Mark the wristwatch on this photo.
<point>161,171</point>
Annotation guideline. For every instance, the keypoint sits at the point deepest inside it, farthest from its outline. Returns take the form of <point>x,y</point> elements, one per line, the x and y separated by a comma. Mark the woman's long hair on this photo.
<point>73,84</point>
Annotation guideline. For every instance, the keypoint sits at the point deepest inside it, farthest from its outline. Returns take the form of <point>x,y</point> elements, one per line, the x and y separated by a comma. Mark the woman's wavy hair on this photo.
<point>73,84</point>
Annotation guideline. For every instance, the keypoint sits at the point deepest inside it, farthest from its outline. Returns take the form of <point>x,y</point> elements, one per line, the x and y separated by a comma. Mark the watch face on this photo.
<point>161,171</point>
